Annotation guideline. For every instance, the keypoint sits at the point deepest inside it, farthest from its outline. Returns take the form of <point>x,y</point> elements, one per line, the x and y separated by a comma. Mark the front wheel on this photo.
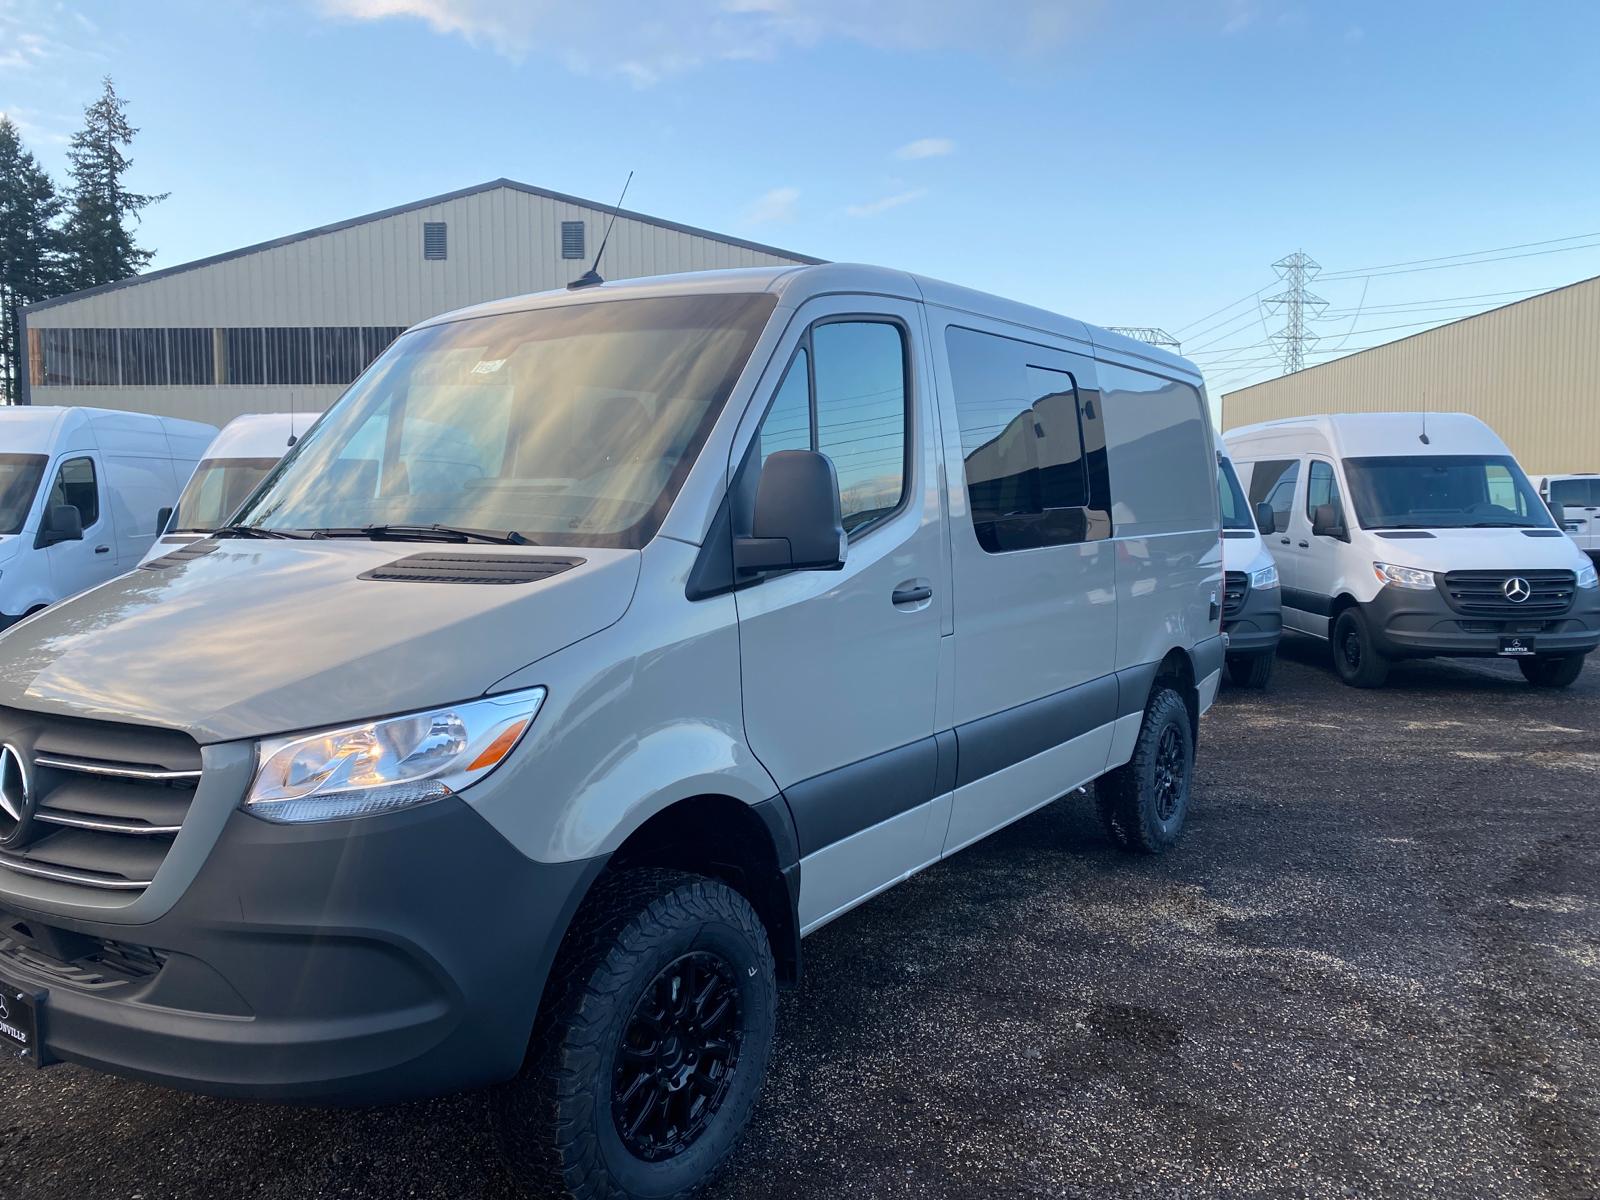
<point>1358,662</point>
<point>1552,670</point>
<point>650,1051</point>
<point>1251,670</point>
<point>1144,803</point>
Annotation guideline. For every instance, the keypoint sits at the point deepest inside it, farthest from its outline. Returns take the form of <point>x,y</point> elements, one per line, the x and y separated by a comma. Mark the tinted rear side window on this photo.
<point>1580,493</point>
<point>1023,441</point>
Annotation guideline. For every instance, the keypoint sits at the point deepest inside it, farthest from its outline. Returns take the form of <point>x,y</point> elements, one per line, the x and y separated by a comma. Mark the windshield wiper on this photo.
<point>430,533</point>
<point>254,531</point>
<point>1501,525</point>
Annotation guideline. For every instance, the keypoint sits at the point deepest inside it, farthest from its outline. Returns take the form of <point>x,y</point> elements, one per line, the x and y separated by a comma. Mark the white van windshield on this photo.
<point>1235,512</point>
<point>572,425</point>
<point>1444,491</point>
<point>216,490</point>
<point>19,483</point>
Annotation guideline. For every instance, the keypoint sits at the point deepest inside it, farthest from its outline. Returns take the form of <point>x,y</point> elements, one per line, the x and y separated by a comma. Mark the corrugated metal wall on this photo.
<point>502,242</point>
<point>1531,370</point>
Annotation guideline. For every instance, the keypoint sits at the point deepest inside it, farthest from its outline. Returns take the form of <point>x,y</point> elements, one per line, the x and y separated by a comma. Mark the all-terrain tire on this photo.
<point>1356,659</point>
<point>1144,803</point>
<point>1552,670</point>
<point>1251,670</point>
<point>555,1122</point>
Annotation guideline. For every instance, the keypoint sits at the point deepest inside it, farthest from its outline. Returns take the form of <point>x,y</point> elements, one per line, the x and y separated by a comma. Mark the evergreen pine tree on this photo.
<point>99,239</point>
<point>30,248</point>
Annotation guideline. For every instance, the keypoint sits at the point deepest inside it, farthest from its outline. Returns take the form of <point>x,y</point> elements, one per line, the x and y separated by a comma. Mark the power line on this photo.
<point>1223,309</point>
<point>1576,237</point>
<point>1445,266</point>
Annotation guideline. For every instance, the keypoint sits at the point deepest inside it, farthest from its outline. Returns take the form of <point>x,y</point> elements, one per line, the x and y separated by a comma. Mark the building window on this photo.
<point>144,357</point>
<point>288,356</point>
<point>435,241</point>
<point>244,356</point>
<point>572,239</point>
<point>191,356</point>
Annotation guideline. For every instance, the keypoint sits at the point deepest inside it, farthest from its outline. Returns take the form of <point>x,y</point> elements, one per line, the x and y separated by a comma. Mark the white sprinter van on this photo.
<point>1400,535</point>
<point>235,463</point>
<point>80,490</point>
<point>765,590</point>
<point>1578,498</point>
<point>1251,608</point>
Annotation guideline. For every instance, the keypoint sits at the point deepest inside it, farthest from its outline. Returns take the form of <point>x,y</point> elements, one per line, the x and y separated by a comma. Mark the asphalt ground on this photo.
<point>1372,969</point>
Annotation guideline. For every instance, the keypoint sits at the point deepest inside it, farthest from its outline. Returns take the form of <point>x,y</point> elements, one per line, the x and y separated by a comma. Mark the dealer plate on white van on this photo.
<point>1516,647</point>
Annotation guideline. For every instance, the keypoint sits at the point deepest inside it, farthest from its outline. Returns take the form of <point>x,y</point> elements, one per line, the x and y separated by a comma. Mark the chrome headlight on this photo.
<point>1587,577</point>
<point>1266,577</point>
<point>358,770</point>
<point>1404,577</point>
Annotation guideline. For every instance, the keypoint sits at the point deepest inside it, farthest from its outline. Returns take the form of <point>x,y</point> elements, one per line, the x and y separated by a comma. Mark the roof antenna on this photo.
<point>592,276</point>
<point>1424,438</point>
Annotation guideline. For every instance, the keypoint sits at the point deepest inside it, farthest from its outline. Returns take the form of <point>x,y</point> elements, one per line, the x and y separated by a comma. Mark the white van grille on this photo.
<point>1484,593</point>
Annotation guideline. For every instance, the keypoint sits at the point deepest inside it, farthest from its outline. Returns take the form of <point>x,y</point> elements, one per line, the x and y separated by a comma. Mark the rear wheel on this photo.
<point>1251,670</point>
<point>1358,662</point>
<point>1552,670</point>
<point>1144,803</point>
<point>650,1052</point>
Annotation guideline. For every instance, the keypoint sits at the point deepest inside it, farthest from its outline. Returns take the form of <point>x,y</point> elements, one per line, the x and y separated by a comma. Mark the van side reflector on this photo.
<point>500,747</point>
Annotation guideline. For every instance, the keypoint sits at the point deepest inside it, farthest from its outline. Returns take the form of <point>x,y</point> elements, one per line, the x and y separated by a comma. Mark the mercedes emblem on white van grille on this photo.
<point>1516,589</point>
<point>16,796</point>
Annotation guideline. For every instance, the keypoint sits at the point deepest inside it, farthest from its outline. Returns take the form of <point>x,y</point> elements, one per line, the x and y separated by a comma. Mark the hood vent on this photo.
<point>1543,533</point>
<point>178,557</point>
<point>470,568</point>
<point>1404,535</point>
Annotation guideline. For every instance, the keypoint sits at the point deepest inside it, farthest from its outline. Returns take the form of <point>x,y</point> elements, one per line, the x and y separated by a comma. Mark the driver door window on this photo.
<point>1321,488</point>
<point>76,487</point>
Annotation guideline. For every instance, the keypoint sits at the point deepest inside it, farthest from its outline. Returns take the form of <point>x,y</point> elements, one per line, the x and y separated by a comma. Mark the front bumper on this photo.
<point>1408,623</point>
<point>1257,626</point>
<point>360,961</point>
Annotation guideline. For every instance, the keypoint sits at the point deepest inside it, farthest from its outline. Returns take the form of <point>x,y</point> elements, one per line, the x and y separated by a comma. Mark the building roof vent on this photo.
<point>572,239</point>
<point>435,242</point>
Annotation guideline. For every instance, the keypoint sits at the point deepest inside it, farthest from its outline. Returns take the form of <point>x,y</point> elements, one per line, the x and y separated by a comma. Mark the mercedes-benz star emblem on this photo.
<point>1516,589</point>
<point>16,796</point>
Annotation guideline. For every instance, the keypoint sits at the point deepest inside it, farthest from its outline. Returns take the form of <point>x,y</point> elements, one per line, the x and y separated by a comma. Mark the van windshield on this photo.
<point>215,491</point>
<point>19,483</point>
<point>1235,512</point>
<point>572,425</point>
<point>1444,491</point>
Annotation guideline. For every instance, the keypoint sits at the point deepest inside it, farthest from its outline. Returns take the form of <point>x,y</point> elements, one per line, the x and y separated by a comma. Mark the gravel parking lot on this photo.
<point>1372,970</point>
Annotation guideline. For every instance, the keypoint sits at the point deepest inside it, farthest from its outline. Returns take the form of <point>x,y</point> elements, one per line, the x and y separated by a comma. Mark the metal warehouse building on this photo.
<point>1530,370</point>
<point>289,323</point>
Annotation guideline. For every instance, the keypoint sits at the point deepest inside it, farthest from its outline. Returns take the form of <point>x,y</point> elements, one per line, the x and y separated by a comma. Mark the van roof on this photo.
<point>1362,435</point>
<point>260,435</point>
<point>795,284</point>
<point>31,429</point>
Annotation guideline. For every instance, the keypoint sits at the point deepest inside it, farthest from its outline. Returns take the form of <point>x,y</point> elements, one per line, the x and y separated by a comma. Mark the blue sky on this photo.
<point>1138,164</point>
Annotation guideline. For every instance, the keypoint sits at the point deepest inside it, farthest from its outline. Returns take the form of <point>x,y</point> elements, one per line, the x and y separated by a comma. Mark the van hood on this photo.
<point>265,637</point>
<point>1476,550</point>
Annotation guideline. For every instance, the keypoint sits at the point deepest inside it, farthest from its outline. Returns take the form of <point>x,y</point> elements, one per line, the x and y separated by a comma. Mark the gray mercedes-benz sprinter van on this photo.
<point>591,651</point>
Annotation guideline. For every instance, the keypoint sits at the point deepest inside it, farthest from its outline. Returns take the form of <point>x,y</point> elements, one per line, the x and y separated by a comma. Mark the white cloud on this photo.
<point>776,205</point>
<point>884,203</point>
<point>926,148</point>
<point>646,40</point>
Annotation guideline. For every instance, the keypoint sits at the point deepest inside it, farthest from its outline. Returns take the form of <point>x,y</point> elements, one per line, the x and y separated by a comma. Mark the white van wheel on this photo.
<point>1358,662</point>
<point>1251,670</point>
<point>1144,803</point>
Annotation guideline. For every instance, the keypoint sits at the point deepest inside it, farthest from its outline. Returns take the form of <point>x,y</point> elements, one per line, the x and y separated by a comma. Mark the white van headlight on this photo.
<point>1405,577</point>
<point>1266,577</point>
<point>1587,577</point>
<point>358,770</point>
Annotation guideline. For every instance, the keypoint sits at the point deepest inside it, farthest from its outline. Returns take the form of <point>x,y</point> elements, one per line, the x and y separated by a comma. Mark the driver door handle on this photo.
<point>912,594</point>
<point>102,549</point>
<point>1285,541</point>
<point>1305,545</point>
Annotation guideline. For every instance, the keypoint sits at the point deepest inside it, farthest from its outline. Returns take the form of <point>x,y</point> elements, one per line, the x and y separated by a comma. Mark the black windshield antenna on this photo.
<point>1424,438</point>
<point>592,276</point>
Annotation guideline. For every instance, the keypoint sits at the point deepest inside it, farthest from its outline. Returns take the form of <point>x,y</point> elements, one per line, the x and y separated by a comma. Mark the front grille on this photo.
<point>104,801</point>
<point>101,965</point>
<point>1235,587</point>
<point>1483,593</point>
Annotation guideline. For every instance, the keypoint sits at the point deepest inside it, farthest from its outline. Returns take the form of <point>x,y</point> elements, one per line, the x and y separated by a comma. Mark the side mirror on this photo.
<point>62,523</point>
<point>1561,512</point>
<point>1328,521</point>
<point>797,524</point>
<point>163,519</point>
<point>1266,519</point>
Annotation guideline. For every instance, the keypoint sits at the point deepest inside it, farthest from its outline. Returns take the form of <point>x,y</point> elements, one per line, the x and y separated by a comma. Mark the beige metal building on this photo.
<point>287,324</point>
<point>1530,370</point>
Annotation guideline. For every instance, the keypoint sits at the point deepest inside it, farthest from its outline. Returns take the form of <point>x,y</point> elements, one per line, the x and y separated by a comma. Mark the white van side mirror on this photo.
<point>797,524</point>
<point>1328,521</point>
<point>163,519</point>
<point>62,523</point>
<point>1266,519</point>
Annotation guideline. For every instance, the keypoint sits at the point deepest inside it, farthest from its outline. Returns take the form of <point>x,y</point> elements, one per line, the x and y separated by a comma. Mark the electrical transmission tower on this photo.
<point>1297,304</point>
<point>1145,333</point>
